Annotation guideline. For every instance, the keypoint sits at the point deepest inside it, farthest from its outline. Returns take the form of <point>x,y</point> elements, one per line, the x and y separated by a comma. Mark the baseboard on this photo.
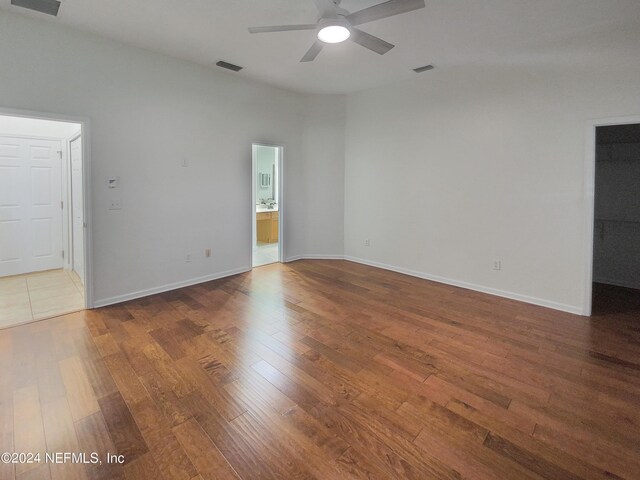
<point>435,278</point>
<point>472,286</point>
<point>314,257</point>
<point>170,286</point>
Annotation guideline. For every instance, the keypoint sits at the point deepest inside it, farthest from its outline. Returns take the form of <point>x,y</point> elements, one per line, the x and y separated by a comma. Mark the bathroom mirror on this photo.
<point>266,186</point>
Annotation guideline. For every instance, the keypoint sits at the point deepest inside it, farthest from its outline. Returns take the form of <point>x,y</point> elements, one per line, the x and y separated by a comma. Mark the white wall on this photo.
<point>147,113</point>
<point>461,166</point>
<point>443,173</point>
<point>322,191</point>
<point>616,258</point>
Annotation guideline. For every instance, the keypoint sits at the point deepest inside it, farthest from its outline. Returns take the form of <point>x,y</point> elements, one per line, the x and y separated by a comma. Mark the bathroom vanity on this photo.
<point>267,224</point>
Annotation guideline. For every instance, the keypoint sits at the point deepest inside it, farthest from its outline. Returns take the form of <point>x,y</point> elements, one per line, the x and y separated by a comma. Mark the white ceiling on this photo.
<point>448,33</point>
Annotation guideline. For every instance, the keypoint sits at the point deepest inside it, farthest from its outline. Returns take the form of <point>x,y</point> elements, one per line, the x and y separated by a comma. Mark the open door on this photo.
<point>77,208</point>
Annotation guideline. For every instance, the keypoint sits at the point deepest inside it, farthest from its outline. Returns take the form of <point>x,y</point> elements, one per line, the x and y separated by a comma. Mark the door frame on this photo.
<point>280,198</point>
<point>589,195</point>
<point>85,131</point>
<point>71,255</point>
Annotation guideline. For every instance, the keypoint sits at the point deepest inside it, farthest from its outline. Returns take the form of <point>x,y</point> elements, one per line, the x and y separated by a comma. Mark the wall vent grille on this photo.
<point>229,66</point>
<point>50,7</point>
<point>426,68</point>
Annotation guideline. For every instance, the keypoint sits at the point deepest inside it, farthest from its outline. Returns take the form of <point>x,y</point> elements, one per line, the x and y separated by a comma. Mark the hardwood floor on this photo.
<point>328,370</point>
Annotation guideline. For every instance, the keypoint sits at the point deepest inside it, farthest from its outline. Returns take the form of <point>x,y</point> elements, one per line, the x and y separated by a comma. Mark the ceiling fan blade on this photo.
<point>384,10</point>
<point>313,52</point>
<point>374,44</point>
<point>282,28</point>
<point>326,8</point>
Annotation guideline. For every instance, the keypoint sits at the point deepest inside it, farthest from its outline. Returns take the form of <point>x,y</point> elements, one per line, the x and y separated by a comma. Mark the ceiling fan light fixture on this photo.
<point>335,25</point>
<point>334,34</point>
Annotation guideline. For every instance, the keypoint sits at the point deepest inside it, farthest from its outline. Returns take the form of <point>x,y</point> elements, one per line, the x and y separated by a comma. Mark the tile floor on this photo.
<point>34,296</point>
<point>265,253</point>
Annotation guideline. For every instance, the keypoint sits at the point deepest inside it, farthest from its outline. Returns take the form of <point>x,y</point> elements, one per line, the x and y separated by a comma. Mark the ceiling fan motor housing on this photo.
<point>328,24</point>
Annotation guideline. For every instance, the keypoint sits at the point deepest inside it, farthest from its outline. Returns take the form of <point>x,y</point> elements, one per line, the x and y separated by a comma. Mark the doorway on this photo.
<point>266,205</point>
<point>42,224</point>
<point>615,279</point>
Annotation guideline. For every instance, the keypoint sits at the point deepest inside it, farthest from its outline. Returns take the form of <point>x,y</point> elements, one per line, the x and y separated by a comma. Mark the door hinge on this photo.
<point>62,253</point>
<point>60,154</point>
<point>62,204</point>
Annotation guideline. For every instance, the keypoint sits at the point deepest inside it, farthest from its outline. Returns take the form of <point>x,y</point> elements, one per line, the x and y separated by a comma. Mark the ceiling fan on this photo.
<point>336,25</point>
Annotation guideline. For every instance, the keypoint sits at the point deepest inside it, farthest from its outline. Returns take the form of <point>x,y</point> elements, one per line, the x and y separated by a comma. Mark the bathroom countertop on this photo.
<point>261,209</point>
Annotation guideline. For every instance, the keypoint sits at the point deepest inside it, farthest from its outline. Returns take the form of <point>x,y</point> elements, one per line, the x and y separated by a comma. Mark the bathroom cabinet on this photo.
<point>267,226</point>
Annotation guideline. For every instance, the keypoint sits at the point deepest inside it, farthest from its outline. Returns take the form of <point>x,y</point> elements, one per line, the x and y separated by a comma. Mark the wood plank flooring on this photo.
<point>327,370</point>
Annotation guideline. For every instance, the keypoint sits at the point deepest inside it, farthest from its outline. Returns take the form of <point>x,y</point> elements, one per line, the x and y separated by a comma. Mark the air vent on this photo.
<point>229,66</point>
<point>426,68</point>
<point>50,7</point>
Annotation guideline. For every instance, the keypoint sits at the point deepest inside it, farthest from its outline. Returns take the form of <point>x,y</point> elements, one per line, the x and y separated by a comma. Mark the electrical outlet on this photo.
<point>367,243</point>
<point>497,264</point>
<point>115,205</point>
<point>187,258</point>
<point>207,253</point>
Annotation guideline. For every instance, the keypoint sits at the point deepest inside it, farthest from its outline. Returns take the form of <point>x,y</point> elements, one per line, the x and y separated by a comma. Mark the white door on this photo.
<point>30,205</point>
<point>77,209</point>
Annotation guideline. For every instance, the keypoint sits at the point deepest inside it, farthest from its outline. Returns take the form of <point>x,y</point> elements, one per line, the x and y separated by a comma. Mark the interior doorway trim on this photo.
<point>280,199</point>
<point>589,195</point>
<point>85,129</point>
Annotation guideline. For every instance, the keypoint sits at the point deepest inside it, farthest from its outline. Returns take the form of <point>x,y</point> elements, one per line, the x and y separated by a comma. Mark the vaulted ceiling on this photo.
<point>448,33</point>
